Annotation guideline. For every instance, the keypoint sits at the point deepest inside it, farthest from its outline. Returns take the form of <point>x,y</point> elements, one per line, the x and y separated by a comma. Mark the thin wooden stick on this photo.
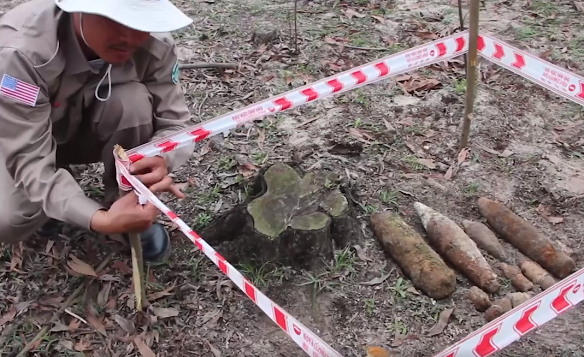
<point>207,65</point>
<point>63,307</point>
<point>296,26</point>
<point>471,77</point>
<point>137,255</point>
<point>461,19</point>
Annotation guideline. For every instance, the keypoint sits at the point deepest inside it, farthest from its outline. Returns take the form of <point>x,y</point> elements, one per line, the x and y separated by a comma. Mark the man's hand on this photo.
<point>153,172</point>
<point>126,215</point>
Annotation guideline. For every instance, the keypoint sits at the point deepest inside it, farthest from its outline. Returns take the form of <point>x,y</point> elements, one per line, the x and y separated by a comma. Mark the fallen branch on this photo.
<point>39,336</point>
<point>207,65</point>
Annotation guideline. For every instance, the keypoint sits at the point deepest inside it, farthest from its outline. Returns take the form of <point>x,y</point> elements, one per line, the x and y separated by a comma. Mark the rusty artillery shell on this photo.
<point>537,274</point>
<point>525,237</point>
<point>485,239</point>
<point>418,260</point>
<point>451,241</point>
<point>479,298</point>
<point>518,280</point>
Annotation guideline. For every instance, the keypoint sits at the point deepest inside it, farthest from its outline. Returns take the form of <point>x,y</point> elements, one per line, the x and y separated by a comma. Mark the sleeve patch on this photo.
<point>21,91</point>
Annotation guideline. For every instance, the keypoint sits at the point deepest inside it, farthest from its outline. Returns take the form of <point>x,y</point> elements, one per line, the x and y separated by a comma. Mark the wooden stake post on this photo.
<point>137,256</point>
<point>471,73</point>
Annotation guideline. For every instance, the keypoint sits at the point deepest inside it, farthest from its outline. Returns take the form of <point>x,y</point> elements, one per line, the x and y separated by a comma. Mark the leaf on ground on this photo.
<point>261,138</point>
<point>164,312</point>
<point>442,322</point>
<point>145,351</point>
<point>419,84</point>
<point>74,325</point>
<point>52,301</point>
<point>545,55</point>
<point>462,155</point>
<point>379,18</point>
<point>123,267</point>
<point>360,135</point>
<point>82,346</point>
<point>449,173</point>
<point>159,294</point>
<point>125,324</point>
<point>350,13</point>
<point>60,327</point>
<point>9,316</point>
<point>95,321</point>
<point>546,213</point>
<point>376,281</point>
<point>16,261</point>
<point>361,253</point>
<point>67,344</point>
<point>247,169</point>
<point>214,351</point>
<point>81,267</point>
<point>103,296</point>
<point>428,163</point>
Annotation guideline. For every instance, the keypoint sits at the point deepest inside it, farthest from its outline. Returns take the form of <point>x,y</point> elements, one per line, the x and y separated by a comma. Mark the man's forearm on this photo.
<point>28,149</point>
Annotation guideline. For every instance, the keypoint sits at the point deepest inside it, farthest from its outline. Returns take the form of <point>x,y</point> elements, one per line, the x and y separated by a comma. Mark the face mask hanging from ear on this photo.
<point>98,62</point>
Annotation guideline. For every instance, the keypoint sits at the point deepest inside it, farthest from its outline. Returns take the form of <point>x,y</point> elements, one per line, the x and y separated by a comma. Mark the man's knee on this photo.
<point>129,106</point>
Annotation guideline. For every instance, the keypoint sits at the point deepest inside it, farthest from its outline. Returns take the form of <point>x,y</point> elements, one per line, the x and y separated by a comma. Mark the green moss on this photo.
<point>335,203</point>
<point>310,222</point>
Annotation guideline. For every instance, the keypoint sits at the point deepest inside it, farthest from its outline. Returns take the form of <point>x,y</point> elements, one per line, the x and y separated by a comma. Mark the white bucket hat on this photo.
<point>141,15</point>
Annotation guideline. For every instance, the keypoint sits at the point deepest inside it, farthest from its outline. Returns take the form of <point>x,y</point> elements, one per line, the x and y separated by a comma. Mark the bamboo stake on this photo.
<point>471,73</point>
<point>137,255</point>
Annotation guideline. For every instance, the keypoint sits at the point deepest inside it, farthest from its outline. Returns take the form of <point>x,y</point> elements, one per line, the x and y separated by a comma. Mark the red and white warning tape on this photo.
<point>533,68</point>
<point>515,324</point>
<point>487,340</point>
<point>390,66</point>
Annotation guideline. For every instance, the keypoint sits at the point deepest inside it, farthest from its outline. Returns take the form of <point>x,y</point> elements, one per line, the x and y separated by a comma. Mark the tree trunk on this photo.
<point>293,221</point>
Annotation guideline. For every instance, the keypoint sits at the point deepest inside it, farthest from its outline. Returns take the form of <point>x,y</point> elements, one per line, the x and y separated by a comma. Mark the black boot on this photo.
<point>155,240</point>
<point>155,244</point>
<point>50,229</point>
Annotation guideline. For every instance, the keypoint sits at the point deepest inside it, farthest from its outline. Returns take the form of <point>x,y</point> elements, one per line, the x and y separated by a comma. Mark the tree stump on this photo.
<point>293,221</point>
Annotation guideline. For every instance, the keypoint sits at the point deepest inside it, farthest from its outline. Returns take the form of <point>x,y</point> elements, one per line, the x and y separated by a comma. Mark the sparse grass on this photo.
<point>226,163</point>
<point>413,163</point>
<point>525,33</point>
<point>197,266</point>
<point>210,196</point>
<point>390,198</point>
<point>261,275</point>
<point>369,306</point>
<point>459,86</point>
<point>259,158</point>
<point>472,188</point>
<point>202,220</point>
<point>400,287</point>
<point>344,262</point>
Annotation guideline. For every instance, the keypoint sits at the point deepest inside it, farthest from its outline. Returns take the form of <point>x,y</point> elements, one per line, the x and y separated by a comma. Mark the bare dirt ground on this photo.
<point>199,313</point>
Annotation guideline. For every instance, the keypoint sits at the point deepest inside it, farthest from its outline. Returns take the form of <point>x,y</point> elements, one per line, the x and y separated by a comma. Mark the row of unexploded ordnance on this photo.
<point>421,262</point>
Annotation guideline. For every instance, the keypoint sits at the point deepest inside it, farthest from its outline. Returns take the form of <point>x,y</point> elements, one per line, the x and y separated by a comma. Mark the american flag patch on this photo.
<point>21,91</point>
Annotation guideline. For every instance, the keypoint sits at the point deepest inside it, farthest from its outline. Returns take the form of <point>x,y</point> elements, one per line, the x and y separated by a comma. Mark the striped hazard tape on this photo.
<point>487,340</point>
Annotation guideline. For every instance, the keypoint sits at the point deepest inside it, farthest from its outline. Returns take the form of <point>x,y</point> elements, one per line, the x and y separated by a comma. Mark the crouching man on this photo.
<point>78,77</point>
